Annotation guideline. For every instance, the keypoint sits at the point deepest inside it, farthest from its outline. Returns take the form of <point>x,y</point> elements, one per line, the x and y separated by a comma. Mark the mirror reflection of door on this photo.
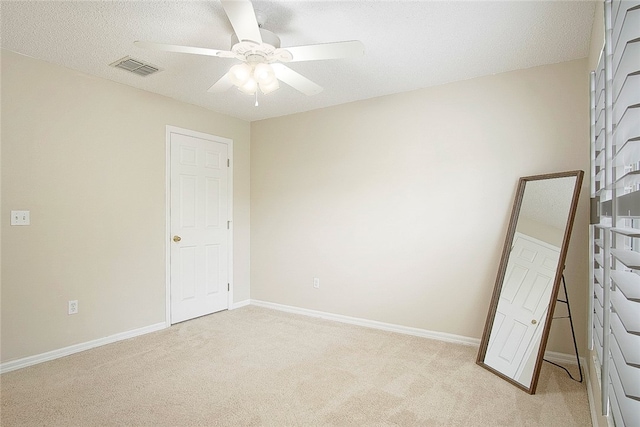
<point>522,308</point>
<point>529,276</point>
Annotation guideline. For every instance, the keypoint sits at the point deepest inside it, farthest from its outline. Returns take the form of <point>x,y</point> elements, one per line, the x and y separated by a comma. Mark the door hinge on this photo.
<point>228,225</point>
<point>228,162</point>
<point>228,287</point>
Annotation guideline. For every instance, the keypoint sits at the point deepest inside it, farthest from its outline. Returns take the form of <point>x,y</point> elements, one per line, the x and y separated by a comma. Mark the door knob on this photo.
<point>177,238</point>
<point>533,322</point>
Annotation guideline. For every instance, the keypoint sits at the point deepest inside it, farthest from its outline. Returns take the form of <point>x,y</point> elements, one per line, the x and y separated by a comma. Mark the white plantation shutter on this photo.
<point>615,185</point>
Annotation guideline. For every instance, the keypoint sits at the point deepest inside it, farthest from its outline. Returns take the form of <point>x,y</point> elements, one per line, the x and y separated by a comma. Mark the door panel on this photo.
<point>523,303</point>
<point>199,215</point>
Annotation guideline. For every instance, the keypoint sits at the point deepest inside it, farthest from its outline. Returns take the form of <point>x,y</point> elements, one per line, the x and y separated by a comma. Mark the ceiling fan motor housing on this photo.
<point>267,38</point>
<point>267,52</point>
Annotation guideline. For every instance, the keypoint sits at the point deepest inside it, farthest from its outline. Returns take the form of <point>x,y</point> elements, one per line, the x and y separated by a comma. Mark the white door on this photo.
<point>523,303</point>
<point>199,228</point>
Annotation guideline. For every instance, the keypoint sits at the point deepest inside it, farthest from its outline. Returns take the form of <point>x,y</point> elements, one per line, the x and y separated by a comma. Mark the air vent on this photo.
<point>135,66</point>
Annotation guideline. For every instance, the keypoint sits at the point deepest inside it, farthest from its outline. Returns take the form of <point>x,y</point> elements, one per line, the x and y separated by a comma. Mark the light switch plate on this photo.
<point>20,218</point>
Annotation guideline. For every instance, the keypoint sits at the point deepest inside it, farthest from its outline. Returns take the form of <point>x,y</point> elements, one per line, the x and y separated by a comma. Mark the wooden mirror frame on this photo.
<point>578,174</point>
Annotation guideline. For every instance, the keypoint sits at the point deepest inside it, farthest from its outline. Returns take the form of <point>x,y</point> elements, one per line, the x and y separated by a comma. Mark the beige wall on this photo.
<point>400,204</point>
<point>87,157</point>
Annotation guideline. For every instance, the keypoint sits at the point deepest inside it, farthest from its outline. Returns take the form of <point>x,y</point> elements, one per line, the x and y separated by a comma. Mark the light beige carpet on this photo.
<point>259,367</point>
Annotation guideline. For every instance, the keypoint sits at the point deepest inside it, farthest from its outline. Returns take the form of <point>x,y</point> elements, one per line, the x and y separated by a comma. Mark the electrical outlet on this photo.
<point>73,307</point>
<point>316,282</point>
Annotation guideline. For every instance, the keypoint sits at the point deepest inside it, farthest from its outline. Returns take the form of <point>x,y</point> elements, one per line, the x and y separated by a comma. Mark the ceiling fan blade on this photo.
<point>185,49</point>
<point>312,52</point>
<point>243,19</point>
<point>295,80</point>
<point>221,85</point>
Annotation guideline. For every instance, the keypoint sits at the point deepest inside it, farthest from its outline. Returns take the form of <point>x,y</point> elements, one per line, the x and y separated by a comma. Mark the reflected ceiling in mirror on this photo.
<point>519,317</point>
<point>545,209</point>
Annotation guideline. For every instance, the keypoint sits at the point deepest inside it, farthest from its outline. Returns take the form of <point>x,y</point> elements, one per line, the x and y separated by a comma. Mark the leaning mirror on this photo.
<point>519,319</point>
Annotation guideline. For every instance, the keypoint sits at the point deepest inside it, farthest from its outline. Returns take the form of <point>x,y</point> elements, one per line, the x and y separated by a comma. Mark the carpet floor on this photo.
<point>260,367</point>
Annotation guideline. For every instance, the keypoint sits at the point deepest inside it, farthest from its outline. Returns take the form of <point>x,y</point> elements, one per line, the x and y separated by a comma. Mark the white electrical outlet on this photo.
<point>73,307</point>
<point>316,282</point>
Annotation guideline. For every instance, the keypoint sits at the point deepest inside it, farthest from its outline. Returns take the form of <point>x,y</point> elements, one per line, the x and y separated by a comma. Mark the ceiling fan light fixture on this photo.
<point>240,74</point>
<point>263,73</point>
<point>248,77</point>
<point>249,87</point>
<point>269,87</point>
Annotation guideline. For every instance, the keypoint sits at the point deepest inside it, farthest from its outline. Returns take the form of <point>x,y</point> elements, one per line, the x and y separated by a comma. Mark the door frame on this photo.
<point>167,235</point>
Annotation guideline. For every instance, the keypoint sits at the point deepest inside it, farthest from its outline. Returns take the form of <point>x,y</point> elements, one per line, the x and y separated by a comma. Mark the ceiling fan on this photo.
<point>262,57</point>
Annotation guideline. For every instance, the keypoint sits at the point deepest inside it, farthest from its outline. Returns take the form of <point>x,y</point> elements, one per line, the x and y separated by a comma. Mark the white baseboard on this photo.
<point>240,304</point>
<point>424,333</point>
<point>594,408</point>
<point>76,348</point>
<point>592,402</point>
<point>565,359</point>
<point>440,336</point>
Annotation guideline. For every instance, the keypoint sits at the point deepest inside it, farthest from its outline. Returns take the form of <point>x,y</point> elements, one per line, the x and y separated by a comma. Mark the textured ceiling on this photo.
<point>408,44</point>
